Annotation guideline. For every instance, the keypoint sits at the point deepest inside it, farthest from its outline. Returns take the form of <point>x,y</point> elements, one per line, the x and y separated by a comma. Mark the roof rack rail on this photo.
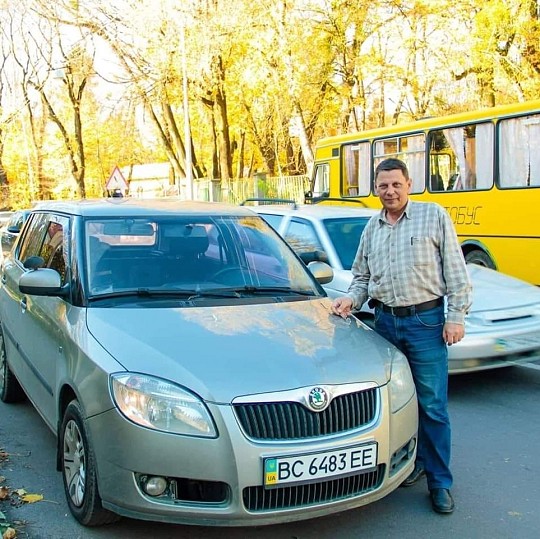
<point>316,200</point>
<point>270,201</point>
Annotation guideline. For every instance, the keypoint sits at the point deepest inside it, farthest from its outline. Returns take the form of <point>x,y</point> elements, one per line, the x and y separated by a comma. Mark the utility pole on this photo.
<point>187,128</point>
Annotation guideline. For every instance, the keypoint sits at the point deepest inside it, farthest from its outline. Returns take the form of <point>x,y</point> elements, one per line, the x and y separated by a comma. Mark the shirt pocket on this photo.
<point>423,250</point>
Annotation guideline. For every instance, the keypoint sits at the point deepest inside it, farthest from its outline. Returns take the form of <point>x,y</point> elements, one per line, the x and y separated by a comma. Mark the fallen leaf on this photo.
<point>20,492</point>
<point>10,533</point>
<point>32,498</point>
<point>4,493</point>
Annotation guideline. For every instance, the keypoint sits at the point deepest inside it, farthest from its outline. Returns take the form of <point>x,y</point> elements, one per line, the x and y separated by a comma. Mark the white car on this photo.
<point>503,327</point>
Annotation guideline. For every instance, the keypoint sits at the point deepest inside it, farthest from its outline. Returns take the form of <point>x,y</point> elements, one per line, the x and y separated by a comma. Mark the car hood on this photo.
<point>227,351</point>
<point>492,290</point>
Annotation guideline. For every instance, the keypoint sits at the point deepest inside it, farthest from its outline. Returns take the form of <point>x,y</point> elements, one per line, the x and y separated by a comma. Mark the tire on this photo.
<point>79,471</point>
<point>480,258</point>
<point>10,389</point>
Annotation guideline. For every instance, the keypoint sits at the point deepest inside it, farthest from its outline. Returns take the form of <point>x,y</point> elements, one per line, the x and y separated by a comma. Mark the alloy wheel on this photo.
<point>74,463</point>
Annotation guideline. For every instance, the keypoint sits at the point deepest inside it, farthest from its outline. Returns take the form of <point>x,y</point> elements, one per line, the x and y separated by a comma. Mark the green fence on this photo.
<point>259,186</point>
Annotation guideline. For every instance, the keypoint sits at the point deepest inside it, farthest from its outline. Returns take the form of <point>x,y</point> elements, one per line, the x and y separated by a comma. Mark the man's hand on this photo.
<point>453,333</point>
<point>342,306</point>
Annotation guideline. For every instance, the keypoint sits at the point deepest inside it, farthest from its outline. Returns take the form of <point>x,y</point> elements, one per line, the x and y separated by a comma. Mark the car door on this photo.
<point>13,306</point>
<point>36,324</point>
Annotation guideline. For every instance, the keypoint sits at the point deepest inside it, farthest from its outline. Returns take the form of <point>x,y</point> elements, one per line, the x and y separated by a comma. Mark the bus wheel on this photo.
<point>480,258</point>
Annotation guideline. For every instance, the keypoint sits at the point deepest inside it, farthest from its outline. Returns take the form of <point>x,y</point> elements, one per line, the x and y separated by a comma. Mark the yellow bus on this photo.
<point>482,166</point>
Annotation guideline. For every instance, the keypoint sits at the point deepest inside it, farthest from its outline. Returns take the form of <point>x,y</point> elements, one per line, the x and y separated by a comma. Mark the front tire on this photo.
<point>79,471</point>
<point>480,258</point>
<point>10,389</point>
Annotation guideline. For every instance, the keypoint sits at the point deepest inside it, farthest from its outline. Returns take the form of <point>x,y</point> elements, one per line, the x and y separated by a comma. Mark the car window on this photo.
<point>47,237</point>
<point>345,235</point>
<point>54,250</point>
<point>201,252</point>
<point>32,241</point>
<point>273,220</point>
<point>302,237</point>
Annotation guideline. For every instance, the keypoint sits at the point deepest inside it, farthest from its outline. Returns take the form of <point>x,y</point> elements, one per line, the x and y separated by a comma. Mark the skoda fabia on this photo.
<point>191,369</point>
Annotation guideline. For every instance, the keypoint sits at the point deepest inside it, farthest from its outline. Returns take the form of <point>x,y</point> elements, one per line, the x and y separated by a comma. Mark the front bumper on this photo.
<point>125,453</point>
<point>489,350</point>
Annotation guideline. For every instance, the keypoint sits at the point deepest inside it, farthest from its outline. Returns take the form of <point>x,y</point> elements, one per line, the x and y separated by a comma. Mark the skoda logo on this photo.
<point>318,399</point>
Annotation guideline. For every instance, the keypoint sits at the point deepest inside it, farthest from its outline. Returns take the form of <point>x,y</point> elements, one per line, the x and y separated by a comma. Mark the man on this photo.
<point>408,260</point>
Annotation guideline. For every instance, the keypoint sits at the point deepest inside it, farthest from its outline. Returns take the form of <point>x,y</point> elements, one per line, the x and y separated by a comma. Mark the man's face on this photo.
<point>393,189</point>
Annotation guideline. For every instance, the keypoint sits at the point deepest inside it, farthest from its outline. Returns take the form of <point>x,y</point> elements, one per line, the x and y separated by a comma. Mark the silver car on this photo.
<point>192,371</point>
<point>503,327</point>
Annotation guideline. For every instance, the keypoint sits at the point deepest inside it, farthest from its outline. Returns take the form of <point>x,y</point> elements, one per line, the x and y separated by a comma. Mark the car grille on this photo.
<point>292,420</point>
<point>261,499</point>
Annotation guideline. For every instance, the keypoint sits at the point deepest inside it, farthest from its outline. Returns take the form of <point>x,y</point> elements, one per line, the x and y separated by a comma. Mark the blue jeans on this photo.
<point>419,337</point>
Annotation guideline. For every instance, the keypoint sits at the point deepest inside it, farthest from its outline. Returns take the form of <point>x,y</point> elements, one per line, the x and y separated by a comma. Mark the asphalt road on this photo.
<point>496,438</point>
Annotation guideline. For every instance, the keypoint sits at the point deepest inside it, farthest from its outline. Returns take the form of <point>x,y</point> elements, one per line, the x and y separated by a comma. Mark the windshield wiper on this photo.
<point>175,293</point>
<point>191,294</point>
<point>278,290</point>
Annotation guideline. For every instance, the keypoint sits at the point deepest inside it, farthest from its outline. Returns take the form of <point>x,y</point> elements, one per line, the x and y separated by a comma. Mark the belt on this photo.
<point>406,311</point>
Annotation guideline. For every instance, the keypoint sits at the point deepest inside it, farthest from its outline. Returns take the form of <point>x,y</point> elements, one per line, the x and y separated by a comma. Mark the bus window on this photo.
<point>441,169</point>
<point>356,179</point>
<point>519,158</point>
<point>411,150</point>
<point>321,183</point>
<point>461,158</point>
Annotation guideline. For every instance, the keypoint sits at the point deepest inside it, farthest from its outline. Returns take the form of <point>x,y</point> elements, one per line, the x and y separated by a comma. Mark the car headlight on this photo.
<point>401,383</point>
<point>160,405</point>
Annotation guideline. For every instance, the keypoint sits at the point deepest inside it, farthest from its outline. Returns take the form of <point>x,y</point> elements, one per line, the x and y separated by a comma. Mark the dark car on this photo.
<point>10,232</point>
<point>5,216</point>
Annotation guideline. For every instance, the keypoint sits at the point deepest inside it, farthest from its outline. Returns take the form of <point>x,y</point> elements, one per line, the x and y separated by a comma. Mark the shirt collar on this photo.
<point>407,212</point>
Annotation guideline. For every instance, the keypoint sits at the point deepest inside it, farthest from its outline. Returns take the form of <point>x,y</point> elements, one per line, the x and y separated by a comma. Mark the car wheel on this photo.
<point>10,389</point>
<point>79,471</point>
<point>480,258</point>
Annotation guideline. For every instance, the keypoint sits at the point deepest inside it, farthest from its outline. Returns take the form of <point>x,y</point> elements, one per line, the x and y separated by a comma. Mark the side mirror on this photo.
<point>42,282</point>
<point>321,271</point>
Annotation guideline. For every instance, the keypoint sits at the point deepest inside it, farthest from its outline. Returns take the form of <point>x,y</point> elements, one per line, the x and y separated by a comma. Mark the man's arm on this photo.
<point>456,276</point>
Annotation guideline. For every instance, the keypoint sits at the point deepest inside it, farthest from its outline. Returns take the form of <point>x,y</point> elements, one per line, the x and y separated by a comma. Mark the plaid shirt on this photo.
<point>415,260</point>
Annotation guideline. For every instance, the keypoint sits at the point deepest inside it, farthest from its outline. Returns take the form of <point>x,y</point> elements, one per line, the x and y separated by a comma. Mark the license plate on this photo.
<point>316,466</point>
<point>518,343</point>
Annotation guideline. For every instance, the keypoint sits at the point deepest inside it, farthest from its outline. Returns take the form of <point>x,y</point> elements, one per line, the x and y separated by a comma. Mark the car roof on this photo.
<point>315,211</point>
<point>134,207</point>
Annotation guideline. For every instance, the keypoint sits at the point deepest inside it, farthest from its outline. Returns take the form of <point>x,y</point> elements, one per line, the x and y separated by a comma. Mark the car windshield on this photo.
<point>202,255</point>
<point>345,234</point>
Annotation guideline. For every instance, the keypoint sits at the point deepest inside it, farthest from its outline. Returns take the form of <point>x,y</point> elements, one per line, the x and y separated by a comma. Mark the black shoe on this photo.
<point>441,500</point>
<point>414,476</point>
